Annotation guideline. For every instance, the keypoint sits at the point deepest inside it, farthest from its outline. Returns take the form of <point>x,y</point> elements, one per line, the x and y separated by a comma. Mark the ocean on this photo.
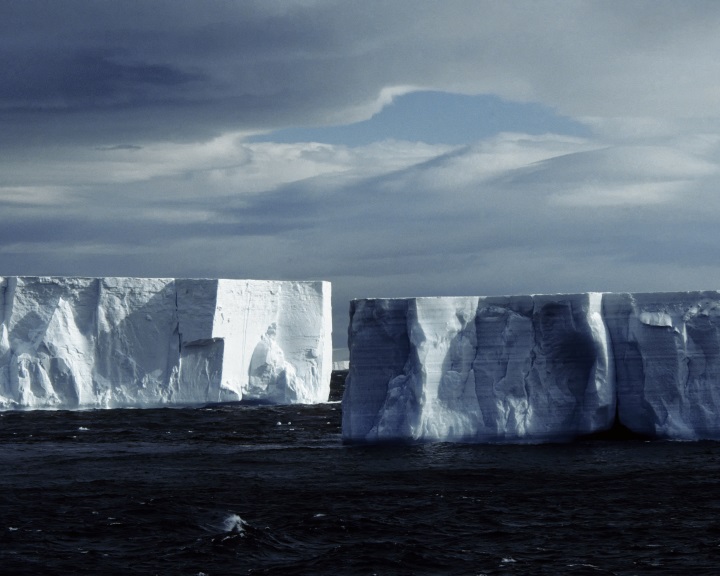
<point>241,489</point>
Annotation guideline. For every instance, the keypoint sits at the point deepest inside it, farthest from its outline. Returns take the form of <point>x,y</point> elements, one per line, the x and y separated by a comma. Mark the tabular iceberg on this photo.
<point>525,368</point>
<point>533,368</point>
<point>119,342</point>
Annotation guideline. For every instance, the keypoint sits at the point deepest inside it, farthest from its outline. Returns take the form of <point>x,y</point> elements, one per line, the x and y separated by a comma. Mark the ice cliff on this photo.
<point>533,368</point>
<point>667,347</point>
<point>141,342</point>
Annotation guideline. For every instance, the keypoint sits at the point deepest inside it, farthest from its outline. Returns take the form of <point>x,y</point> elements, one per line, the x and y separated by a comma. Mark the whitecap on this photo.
<point>233,523</point>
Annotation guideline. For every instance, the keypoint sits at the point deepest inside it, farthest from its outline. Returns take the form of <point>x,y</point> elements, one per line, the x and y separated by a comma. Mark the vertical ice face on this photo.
<point>48,341</point>
<point>528,368</point>
<point>106,342</point>
<point>444,343</point>
<point>380,348</point>
<point>429,392</point>
<point>543,369</point>
<point>667,350</point>
<point>201,350</point>
<point>136,346</point>
<point>277,338</point>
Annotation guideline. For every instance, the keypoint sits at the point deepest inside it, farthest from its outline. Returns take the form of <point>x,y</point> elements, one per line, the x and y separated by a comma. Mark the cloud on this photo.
<point>149,71</point>
<point>127,144</point>
<point>513,213</point>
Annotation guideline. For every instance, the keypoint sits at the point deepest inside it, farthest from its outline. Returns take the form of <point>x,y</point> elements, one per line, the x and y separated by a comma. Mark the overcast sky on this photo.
<point>394,147</point>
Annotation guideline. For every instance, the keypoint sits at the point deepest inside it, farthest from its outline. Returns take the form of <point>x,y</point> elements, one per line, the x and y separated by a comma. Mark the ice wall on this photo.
<point>534,368</point>
<point>526,368</point>
<point>667,350</point>
<point>113,342</point>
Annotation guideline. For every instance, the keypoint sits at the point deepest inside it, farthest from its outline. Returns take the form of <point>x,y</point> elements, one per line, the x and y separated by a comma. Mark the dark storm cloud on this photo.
<point>125,72</point>
<point>87,80</point>
<point>168,69</point>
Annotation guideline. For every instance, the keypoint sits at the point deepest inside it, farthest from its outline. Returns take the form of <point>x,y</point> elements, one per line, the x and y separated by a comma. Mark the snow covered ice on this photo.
<point>533,368</point>
<point>141,342</point>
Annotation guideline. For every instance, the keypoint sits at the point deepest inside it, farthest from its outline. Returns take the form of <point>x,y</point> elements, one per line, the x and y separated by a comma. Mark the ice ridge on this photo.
<point>70,343</point>
<point>533,368</point>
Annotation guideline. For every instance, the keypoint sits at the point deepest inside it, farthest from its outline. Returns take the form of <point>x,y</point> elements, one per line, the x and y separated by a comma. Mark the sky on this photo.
<point>395,148</point>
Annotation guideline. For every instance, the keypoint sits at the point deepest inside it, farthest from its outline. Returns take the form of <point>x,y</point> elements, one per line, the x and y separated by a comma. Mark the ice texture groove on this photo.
<point>70,343</point>
<point>533,368</point>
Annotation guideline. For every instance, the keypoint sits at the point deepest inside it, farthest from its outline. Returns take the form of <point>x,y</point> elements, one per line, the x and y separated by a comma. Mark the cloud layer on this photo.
<point>138,71</point>
<point>511,214</point>
<point>130,144</point>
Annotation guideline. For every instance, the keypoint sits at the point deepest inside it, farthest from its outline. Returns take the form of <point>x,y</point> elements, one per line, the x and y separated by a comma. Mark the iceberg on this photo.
<point>533,368</point>
<point>75,343</point>
<point>512,369</point>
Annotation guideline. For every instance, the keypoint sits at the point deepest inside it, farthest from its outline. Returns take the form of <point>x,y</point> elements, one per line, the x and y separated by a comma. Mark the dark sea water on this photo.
<point>235,489</point>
